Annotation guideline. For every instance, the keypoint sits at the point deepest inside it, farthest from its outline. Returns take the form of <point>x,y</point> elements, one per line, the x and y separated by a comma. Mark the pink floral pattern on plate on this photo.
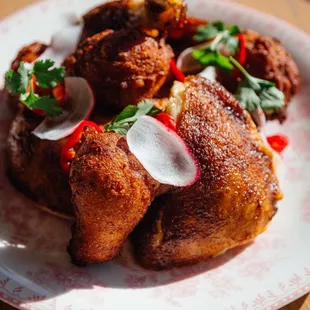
<point>35,271</point>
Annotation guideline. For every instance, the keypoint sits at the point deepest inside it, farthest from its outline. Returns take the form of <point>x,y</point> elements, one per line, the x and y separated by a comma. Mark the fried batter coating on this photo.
<point>123,14</point>
<point>122,67</point>
<point>29,54</point>
<point>234,199</point>
<point>111,192</point>
<point>269,60</point>
<point>34,165</point>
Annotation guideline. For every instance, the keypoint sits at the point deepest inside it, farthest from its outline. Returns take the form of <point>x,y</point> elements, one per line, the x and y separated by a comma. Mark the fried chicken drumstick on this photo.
<point>111,192</point>
<point>235,197</point>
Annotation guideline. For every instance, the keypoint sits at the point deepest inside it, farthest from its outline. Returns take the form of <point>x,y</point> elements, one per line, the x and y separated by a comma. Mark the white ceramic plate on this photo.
<point>35,271</point>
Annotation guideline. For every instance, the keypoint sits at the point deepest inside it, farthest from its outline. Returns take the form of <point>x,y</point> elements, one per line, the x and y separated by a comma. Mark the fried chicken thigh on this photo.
<point>122,67</point>
<point>34,165</point>
<point>111,192</point>
<point>235,197</point>
<point>124,14</point>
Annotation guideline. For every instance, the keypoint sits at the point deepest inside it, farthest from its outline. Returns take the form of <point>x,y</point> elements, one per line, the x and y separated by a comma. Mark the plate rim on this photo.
<point>287,299</point>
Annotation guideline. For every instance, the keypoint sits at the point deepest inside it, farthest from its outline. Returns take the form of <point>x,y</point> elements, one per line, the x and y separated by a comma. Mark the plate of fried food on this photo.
<point>154,154</point>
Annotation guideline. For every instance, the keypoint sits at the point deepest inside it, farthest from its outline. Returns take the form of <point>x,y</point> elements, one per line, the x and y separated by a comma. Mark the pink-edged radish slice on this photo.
<point>81,104</point>
<point>162,153</point>
<point>63,44</point>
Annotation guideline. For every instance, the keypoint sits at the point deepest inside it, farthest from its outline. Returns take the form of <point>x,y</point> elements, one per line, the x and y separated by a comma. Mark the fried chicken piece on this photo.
<point>122,67</point>
<point>269,60</point>
<point>111,192</point>
<point>34,165</point>
<point>123,14</point>
<point>29,54</point>
<point>235,197</point>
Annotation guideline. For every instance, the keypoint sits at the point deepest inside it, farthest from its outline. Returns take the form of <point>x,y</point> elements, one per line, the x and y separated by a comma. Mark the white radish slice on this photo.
<point>63,44</point>
<point>162,153</point>
<point>187,63</point>
<point>81,103</point>
<point>209,73</point>
<point>259,119</point>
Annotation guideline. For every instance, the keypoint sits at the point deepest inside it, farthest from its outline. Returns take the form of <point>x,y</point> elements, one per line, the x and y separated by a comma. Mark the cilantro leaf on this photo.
<point>12,82</point>
<point>234,30</point>
<point>24,77</point>
<point>207,32</point>
<point>128,112</point>
<point>122,123</point>
<point>209,57</point>
<point>272,99</point>
<point>231,43</point>
<point>49,105</point>
<point>17,82</point>
<point>223,39</point>
<point>254,93</point>
<point>247,98</point>
<point>29,99</point>
<point>46,75</point>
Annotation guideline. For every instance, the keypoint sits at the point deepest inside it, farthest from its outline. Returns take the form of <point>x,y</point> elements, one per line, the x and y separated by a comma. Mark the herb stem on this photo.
<point>238,66</point>
<point>217,40</point>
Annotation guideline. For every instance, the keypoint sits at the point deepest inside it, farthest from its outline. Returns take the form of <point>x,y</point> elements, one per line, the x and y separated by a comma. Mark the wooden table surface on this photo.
<point>296,12</point>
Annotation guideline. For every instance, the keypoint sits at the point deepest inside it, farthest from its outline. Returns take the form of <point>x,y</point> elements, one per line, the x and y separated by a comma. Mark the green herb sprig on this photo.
<point>45,75</point>
<point>221,35</point>
<point>256,93</point>
<point>122,123</point>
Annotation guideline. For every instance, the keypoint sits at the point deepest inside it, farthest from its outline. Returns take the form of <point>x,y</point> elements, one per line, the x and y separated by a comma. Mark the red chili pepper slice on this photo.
<point>59,93</point>
<point>167,120</point>
<point>67,152</point>
<point>178,74</point>
<point>278,142</point>
<point>241,56</point>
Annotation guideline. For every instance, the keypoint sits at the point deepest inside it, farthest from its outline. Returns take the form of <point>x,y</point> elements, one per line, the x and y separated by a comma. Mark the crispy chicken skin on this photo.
<point>122,67</point>
<point>235,197</point>
<point>111,192</point>
<point>268,59</point>
<point>34,166</point>
<point>117,15</point>
<point>29,54</point>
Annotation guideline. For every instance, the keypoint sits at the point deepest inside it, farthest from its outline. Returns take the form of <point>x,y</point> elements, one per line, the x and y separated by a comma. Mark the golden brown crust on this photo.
<point>122,67</point>
<point>124,14</point>
<point>269,60</point>
<point>28,54</point>
<point>34,165</point>
<point>233,200</point>
<point>111,192</point>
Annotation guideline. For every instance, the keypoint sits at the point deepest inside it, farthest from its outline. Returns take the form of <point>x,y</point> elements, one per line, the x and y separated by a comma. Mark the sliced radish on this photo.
<point>259,119</point>
<point>209,73</point>
<point>63,44</point>
<point>162,153</point>
<point>81,103</point>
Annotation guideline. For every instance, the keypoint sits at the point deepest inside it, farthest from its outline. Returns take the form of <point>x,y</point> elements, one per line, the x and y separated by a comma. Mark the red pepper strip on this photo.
<point>241,56</point>
<point>59,93</point>
<point>178,74</point>
<point>167,120</point>
<point>67,152</point>
<point>278,142</point>
<point>34,86</point>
